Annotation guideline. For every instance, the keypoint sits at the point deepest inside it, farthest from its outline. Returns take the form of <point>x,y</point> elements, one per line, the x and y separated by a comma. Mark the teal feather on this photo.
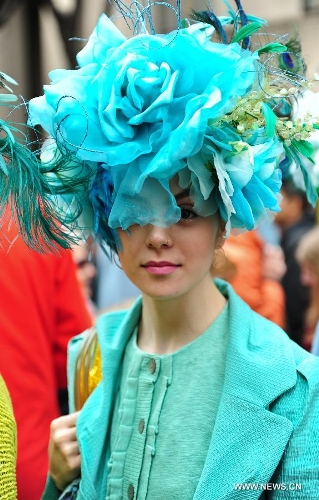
<point>296,153</point>
<point>26,192</point>
<point>303,147</point>
<point>208,17</point>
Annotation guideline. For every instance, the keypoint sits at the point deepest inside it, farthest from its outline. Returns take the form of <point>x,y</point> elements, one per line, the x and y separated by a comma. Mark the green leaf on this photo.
<point>184,23</point>
<point>270,120</point>
<point>272,47</point>
<point>245,31</point>
<point>303,147</point>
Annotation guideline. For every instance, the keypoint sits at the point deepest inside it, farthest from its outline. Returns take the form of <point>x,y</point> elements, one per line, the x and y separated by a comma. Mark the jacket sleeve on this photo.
<point>298,471</point>
<point>52,493</point>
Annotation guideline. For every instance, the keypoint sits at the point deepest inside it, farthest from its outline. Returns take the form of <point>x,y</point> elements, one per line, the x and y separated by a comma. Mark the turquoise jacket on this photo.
<point>266,434</point>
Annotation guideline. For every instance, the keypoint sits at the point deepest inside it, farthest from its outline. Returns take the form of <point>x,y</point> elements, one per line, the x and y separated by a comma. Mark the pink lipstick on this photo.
<point>162,267</point>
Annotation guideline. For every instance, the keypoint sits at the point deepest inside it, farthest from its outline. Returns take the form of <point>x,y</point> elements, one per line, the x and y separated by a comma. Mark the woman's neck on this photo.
<point>166,325</point>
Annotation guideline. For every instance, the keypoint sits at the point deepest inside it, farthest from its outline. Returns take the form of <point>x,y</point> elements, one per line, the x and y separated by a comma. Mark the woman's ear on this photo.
<point>221,237</point>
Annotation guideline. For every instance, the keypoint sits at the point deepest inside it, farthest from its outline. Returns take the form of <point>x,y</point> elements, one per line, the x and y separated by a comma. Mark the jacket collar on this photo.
<point>256,354</point>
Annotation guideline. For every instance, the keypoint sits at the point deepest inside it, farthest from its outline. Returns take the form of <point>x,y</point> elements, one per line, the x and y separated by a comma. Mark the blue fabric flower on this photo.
<point>243,179</point>
<point>139,111</point>
<point>141,107</point>
<point>148,97</point>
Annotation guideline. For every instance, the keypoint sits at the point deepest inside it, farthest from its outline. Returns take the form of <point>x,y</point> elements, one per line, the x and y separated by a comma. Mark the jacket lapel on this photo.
<point>247,444</point>
<point>95,418</point>
<point>248,440</point>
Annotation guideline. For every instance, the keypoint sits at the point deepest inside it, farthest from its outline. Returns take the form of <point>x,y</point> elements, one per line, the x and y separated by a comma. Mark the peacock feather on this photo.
<point>291,61</point>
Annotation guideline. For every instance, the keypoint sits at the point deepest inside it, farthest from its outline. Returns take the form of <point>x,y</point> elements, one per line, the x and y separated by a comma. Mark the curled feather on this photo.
<point>208,17</point>
<point>25,195</point>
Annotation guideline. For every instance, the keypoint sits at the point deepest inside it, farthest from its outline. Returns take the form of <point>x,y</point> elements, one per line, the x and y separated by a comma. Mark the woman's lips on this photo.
<point>162,267</point>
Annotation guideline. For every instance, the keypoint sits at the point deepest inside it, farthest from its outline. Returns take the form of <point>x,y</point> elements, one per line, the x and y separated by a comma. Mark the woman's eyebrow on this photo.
<point>182,194</point>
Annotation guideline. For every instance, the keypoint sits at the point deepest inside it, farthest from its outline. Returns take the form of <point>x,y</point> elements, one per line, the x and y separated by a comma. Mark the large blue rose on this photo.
<point>142,103</point>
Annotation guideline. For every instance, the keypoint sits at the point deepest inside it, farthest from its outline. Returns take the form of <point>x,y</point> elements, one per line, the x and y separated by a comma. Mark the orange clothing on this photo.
<point>42,307</point>
<point>244,270</point>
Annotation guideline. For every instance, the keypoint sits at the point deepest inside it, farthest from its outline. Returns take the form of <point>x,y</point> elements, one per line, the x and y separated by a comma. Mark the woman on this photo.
<point>169,142</point>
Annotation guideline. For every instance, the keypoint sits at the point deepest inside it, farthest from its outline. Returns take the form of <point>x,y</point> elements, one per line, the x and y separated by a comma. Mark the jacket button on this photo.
<point>130,492</point>
<point>152,365</point>
<point>141,426</point>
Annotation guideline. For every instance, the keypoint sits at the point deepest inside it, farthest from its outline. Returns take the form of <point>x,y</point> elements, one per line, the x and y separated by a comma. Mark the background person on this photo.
<point>112,287</point>
<point>41,308</point>
<point>254,269</point>
<point>295,219</point>
<point>86,272</point>
<point>307,255</point>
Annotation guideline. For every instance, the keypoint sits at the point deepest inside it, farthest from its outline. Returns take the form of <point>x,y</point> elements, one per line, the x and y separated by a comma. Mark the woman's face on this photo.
<point>169,262</point>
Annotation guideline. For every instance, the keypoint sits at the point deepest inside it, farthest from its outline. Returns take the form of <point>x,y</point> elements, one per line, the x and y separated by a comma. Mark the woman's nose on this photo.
<point>158,237</point>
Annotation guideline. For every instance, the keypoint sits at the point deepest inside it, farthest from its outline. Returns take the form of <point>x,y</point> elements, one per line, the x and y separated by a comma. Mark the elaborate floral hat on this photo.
<point>25,193</point>
<point>210,102</point>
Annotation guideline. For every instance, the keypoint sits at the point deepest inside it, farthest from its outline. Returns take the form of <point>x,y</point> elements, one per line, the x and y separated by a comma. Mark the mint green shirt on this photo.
<point>164,417</point>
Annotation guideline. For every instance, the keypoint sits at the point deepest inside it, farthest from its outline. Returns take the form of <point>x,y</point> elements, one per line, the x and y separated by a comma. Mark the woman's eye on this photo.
<point>187,213</point>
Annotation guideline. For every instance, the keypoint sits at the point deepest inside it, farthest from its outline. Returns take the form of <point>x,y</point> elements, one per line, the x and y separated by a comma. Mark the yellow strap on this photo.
<point>88,368</point>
